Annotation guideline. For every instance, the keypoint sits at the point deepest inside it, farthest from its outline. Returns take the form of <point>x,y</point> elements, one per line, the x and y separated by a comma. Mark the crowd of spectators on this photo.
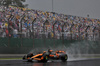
<point>19,22</point>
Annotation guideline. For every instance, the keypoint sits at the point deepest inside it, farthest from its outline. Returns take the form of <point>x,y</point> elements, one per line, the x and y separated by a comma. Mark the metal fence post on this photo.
<point>63,33</point>
<point>54,34</point>
<point>86,33</point>
<point>21,29</point>
<point>71,30</point>
<point>44,33</point>
<point>93,33</point>
<point>9,29</point>
<point>33,30</point>
<point>79,32</point>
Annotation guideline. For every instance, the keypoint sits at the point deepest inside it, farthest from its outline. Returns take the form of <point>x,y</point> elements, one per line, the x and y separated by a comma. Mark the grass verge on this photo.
<point>10,58</point>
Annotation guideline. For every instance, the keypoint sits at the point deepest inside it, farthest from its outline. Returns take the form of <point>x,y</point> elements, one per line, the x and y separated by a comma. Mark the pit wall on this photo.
<point>25,45</point>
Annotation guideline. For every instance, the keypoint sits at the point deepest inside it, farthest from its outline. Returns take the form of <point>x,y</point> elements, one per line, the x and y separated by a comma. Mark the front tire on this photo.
<point>45,58</point>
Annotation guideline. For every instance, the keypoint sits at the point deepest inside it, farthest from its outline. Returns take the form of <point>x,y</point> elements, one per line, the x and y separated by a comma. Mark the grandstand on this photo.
<point>23,29</point>
<point>19,22</point>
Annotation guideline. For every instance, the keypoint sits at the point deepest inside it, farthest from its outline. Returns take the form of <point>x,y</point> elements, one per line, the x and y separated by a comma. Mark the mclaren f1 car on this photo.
<point>47,55</point>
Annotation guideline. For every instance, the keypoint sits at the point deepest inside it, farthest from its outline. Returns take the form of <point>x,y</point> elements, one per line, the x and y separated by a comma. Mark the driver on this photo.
<point>49,51</point>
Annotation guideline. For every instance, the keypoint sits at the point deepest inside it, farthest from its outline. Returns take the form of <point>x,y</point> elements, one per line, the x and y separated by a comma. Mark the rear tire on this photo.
<point>64,58</point>
<point>29,56</point>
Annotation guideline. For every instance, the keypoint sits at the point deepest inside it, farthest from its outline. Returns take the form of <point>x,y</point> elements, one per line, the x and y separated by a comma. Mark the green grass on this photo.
<point>10,58</point>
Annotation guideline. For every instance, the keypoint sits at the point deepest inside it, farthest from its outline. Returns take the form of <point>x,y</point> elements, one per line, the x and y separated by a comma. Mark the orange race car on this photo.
<point>47,55</point>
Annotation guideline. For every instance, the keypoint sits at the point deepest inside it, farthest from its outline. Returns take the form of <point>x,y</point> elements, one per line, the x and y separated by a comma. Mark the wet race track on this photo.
<point>90,62</point>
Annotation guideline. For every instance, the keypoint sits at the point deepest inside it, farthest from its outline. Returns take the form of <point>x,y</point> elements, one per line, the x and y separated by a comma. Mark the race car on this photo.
<point>57,55</point>
<point>47,55</point>
<point>41,57</point>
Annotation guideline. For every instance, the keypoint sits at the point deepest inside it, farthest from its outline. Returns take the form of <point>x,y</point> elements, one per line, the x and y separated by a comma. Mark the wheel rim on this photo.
<point>66,57</point>
<point>46,58</point>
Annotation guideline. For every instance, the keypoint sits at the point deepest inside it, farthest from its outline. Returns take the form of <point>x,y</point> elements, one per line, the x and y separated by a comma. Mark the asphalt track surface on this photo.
<point>87,62</point>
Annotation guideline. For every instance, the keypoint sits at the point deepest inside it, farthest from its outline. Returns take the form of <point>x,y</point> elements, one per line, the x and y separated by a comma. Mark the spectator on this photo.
<point>21,23</point>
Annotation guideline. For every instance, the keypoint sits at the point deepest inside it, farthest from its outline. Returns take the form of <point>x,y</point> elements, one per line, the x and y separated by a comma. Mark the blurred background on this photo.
<point>27,25</point>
